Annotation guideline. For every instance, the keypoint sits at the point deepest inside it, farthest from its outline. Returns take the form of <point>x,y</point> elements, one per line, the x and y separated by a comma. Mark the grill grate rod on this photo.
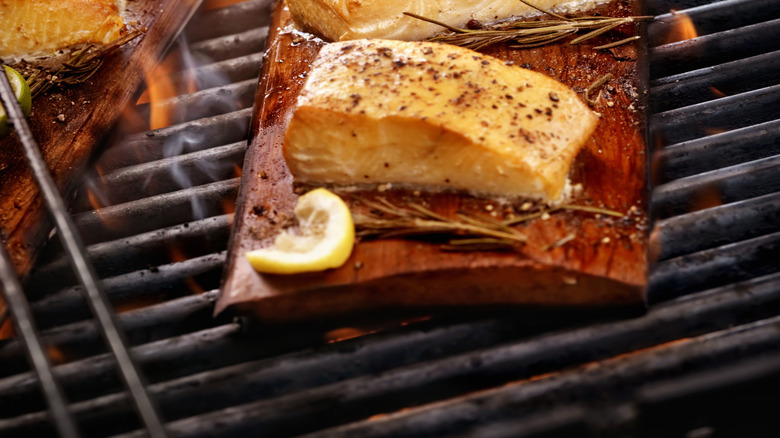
<point>98,301</point>
<point>25,325</point>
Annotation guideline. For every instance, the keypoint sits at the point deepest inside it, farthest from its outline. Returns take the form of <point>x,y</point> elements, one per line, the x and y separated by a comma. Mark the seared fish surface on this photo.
<point>39,27</point>
<point>338,20</point>
<point>434,115</point>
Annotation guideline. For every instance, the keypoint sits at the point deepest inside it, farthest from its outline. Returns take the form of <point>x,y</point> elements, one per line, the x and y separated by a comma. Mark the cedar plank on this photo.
<point>604,265</point>
<point>67,146</point>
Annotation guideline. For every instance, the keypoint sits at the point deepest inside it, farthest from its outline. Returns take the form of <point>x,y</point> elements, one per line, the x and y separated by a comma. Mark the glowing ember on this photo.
<point>228,205</point>
<point>7,329</point>
<point>717,93</point>
<point>344,333</point>
<point>55,355</point>
<point>178,255</point>
<point>709,196</point>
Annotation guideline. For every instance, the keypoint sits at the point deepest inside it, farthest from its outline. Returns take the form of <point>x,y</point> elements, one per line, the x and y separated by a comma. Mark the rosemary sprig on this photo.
<point>466,232</point>
<point>78,67</point>
<point>527,34</point>
<point>393,221</point>
<point>564,207</point>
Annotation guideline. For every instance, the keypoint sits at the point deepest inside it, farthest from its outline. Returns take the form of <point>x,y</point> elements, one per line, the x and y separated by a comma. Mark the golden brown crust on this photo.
<point>434,115</point>
<point>39,27</point>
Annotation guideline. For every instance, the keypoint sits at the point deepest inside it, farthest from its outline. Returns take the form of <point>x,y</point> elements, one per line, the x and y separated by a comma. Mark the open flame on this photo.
<point>160,88</point>
<point>681,29</point>
<point>172,77</point>
<point>179,74</point>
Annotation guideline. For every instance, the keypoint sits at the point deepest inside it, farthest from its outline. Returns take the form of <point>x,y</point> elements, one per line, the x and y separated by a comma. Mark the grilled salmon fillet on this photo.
<point>434,115</point>
<point>39,27</point>
<point>338,20</point>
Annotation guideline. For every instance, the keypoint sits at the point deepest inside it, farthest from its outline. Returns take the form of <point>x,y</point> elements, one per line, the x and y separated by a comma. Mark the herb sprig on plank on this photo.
<point>528,34</point>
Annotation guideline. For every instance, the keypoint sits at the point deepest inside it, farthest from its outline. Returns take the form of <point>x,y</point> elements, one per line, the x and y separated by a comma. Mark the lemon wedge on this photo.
<point>22,92</point>
<point>323,239</point>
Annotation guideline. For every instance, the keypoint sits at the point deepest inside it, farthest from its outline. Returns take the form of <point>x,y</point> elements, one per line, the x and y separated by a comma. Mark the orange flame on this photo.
<point>178,255</point>
<point>94,201</point>
<point>159,88</point>
<point>98,200</point>
<point>7,329</point>
<point>682,29</point>
<point>171,77</point>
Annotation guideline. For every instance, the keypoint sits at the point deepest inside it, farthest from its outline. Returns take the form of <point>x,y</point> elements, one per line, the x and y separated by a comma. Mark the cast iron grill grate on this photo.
<point>704,360</point>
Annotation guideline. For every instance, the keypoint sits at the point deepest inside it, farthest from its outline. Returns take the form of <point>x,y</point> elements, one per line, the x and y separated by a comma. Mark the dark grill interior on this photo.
<point>704,361</point>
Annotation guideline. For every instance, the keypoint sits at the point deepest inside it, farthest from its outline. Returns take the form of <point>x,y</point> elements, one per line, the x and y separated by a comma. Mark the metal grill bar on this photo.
<point>214,378</point>
<point>657,7</point>
<point>169,174</point>
<point>147,214</point>
<point>206,236</point>
<point>718,226</point>
<point>713,17</point>
<point>714,82</point>
<point>231,388</point>
<point>731,112</point>
<point>221,73</point>
<point>98,302</point>
<point>235,68</point>
<point>730,184</point>
<point>207,103</point>
<point>566,388</point>
<point>715,48</point>
<point>436,380</point>
<point>25,325</point>
<point>207,348</point>
<point>180,315</point>
<point>720,150</point>
<point>232,46</point>
<point>226,21</point>
<point>164,280</point>
<point>727,264</point>
<point>148,146</point>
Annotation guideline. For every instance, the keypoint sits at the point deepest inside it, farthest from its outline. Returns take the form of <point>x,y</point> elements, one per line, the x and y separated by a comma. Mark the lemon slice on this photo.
<point>22,92</point>
<point>323,239</point>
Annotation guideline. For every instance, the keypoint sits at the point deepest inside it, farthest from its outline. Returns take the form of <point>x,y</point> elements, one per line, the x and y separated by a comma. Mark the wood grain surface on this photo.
<point>602,262</point>
<point>68,125</point>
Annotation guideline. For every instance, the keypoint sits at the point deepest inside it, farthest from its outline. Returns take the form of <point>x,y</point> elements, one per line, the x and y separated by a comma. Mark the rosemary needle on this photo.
<point>595,86</point>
